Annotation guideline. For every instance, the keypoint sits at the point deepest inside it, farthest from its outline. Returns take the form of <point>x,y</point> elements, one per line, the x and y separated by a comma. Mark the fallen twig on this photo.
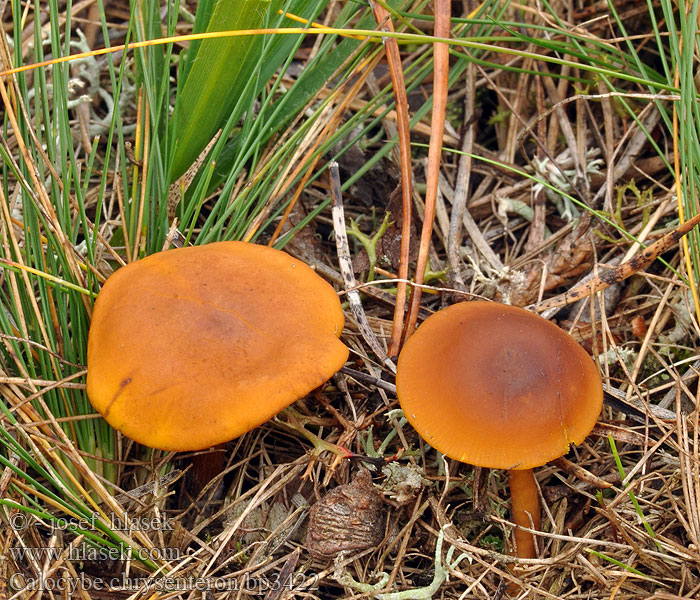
<point>609,276</point>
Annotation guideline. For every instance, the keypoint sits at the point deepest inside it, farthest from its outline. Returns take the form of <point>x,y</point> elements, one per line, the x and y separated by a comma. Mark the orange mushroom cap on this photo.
<point>497,386</point>
<point>195,346</point>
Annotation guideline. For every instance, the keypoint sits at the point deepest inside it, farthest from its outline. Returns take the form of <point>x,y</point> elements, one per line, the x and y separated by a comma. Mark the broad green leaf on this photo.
<point>215,79</point>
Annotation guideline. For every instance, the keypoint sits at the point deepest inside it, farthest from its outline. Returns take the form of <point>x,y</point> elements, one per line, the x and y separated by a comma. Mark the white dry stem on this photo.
<point>346,270</point>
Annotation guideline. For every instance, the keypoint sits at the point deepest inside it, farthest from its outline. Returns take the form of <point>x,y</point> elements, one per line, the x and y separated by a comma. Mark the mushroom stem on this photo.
<point>206,466</point>
<point>526,510</point>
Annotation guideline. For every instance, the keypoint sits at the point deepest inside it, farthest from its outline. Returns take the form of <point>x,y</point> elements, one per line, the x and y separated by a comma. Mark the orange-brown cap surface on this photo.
<point>195,346</point>
<point>497,386</point>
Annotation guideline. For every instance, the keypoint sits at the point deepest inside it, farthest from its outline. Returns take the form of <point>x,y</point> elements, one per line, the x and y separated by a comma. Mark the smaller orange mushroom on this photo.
<point>497,386</point>
<point>195,346</point>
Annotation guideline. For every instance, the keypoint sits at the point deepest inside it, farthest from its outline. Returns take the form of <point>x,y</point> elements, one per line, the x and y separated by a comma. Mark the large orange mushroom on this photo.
<point>195,346</point>
<point>497,386</point>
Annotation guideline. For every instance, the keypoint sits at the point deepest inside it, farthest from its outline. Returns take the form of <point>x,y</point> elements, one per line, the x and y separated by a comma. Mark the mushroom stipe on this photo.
<point>195,346</point>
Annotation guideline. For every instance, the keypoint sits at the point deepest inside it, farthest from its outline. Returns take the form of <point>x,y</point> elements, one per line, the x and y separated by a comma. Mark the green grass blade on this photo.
<point>620,564</point>
<point>633,498</point>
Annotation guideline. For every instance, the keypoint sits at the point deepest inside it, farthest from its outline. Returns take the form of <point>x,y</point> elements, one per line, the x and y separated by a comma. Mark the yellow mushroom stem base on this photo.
<point>526,510</point>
